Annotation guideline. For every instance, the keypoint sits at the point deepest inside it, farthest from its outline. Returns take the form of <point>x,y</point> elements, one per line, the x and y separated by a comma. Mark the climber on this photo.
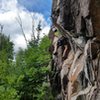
<point>54,36</point>
<point>56,32</point>
<point>60,42</point>
<point>64,44</point>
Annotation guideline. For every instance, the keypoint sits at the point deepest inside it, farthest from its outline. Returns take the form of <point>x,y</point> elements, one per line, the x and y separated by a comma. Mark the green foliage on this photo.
<point>7,77</point>
<point>26,78</point>
<point>33,63</point>
<point>6,47</point>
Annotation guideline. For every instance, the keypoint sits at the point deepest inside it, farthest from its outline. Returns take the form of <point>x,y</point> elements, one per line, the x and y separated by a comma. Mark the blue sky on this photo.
<point>27,9</point>
<point>40,6</point>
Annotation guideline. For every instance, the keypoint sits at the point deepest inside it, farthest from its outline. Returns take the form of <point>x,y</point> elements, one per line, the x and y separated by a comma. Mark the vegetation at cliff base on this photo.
<point>26,77</point>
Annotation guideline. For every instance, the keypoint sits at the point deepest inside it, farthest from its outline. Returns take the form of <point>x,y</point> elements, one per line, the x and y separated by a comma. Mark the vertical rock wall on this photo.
<point>75,49</point>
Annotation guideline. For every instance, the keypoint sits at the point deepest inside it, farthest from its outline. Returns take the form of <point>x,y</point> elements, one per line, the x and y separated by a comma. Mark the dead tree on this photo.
<point>38,30</point>
<point>77,68</point>
<point>33,37</point>
<point>21,26</point>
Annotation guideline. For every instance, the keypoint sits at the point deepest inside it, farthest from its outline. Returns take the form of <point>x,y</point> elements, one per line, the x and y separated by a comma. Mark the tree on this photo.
<point>6,46</point>
<point>33,71</point>
<point>19,20</point>
<point>7,77</point>
<point>26,77</point>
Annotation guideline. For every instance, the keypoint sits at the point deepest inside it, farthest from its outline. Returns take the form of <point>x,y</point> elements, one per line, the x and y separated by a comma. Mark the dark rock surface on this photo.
<point>75,49</point>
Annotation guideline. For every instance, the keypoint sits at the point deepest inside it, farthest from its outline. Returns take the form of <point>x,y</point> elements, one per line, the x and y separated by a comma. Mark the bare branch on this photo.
<point>21,26</point>
<point>33,34</point>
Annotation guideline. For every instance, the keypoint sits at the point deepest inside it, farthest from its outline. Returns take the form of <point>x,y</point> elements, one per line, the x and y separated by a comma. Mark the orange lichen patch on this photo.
<point>75,87</point>
<point>95,15</point>
<point>73,83</point>
<point>78,67</point>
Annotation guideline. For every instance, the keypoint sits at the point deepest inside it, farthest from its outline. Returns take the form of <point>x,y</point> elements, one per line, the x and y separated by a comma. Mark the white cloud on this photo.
<point>45,30</point>
<point>9,10</point>
<point>7,5</point>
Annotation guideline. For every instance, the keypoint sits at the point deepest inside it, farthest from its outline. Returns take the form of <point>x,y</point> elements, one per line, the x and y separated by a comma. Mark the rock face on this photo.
<point>75,49</point>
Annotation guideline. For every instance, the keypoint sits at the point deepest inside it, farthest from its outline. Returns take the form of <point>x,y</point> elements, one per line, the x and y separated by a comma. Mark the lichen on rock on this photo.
<point>75,37</point>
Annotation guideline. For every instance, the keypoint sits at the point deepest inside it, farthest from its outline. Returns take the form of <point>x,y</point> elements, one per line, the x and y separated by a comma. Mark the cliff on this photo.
<point>75,49</point>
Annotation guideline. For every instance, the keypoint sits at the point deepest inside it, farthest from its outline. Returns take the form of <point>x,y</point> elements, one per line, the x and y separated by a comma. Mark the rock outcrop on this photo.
<point>75,49</point>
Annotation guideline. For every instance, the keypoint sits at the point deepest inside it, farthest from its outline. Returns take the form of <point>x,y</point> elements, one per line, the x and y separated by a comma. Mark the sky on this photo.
<point>26,9</point>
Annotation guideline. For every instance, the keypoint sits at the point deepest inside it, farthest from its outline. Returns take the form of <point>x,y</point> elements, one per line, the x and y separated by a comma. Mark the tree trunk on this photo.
<point>75,35</point>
